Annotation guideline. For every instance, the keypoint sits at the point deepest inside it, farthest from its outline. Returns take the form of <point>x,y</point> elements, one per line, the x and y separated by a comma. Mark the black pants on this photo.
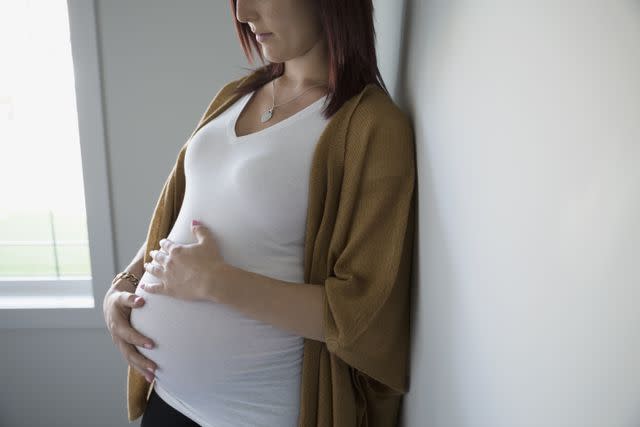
<point>159,413</point>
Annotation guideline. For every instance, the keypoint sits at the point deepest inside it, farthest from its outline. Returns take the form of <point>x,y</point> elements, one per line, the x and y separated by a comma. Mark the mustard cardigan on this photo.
<point>358,245</point>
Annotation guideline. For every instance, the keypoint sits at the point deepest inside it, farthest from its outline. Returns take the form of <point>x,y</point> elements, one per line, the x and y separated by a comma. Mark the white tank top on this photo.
<point>216,365</point>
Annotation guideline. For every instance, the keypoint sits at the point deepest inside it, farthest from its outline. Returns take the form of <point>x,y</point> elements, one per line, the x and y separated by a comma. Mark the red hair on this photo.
<point>350,37</point>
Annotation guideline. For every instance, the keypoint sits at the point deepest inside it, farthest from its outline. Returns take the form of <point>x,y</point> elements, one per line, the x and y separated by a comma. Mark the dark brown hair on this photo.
<point>350,35</point>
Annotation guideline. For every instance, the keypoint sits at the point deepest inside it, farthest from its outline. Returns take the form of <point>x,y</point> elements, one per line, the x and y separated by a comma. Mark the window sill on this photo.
<point>31,302</point>
<point>48,304</point>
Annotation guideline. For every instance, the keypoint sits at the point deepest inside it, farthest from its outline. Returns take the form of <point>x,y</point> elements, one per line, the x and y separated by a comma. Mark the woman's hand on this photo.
<point>187,271</point>
<point>116,306</point>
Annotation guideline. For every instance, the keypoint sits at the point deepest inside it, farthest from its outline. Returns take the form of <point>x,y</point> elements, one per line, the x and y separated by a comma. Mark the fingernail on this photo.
<point>195,222</point>
<point>137,300</point>
<point>147,345</point>
<point>151,370</point>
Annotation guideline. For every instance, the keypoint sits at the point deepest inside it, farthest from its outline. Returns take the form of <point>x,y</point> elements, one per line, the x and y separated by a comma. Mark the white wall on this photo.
<point>527,118</point>
<point>388,16</point>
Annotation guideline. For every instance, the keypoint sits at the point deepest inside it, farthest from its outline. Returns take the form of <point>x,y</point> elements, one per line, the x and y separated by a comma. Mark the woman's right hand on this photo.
<point>116,306</point>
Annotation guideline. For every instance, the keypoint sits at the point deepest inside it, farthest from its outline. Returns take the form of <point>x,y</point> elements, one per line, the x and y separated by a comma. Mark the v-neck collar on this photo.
<point>347,108</point>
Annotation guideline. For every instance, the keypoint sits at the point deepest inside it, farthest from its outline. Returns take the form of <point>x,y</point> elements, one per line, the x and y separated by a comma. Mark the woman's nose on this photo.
<point>244,10</point>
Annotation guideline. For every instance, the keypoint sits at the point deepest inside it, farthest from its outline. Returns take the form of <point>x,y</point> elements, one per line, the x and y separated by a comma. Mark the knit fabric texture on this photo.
<point>358,246</point>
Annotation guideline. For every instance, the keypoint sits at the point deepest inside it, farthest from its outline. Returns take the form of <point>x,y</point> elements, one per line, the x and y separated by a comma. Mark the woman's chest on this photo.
<point>261,183</point>
<point>256,112</point>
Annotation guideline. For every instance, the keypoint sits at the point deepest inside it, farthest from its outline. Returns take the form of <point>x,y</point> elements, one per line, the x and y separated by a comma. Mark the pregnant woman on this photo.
<point>273,286</point>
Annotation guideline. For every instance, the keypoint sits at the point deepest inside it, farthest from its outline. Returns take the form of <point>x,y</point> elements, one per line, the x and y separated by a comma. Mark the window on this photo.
<point>54,213</point>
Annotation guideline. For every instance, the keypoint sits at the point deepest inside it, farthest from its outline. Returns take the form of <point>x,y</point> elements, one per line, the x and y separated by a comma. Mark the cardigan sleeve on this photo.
<point>167,206</point>
<point>169,201</point>
<point>366,304</point>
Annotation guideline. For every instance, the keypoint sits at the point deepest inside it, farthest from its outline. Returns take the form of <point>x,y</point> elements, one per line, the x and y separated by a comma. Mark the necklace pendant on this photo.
<point>266,115</point>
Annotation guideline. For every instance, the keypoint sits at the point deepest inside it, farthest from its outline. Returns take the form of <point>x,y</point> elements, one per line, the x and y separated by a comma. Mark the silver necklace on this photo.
<point>266,116</point>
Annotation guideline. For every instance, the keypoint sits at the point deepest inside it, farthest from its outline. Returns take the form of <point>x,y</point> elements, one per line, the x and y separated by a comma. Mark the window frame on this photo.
<point>89,101</point>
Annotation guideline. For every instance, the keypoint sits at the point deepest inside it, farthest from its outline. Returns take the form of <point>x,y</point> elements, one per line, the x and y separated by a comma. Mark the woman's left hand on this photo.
<point>187,271</point>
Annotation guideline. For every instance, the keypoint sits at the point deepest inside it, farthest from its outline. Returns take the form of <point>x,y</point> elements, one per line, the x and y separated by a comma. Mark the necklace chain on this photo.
<point>268,113</point>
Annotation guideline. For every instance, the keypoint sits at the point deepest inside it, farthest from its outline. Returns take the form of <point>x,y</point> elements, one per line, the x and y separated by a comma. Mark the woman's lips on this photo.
<point>262,36</point>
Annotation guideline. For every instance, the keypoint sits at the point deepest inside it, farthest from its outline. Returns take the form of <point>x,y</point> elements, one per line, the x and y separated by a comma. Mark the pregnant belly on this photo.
<point>201,345</point>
